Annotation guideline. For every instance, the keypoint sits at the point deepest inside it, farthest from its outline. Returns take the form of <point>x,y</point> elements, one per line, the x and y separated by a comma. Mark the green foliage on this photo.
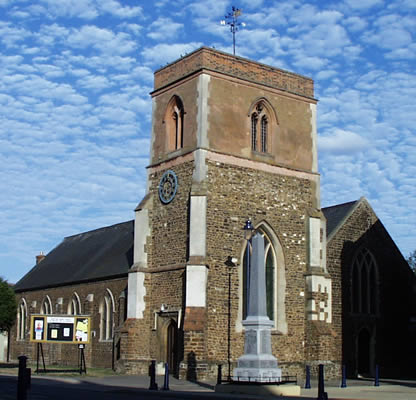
<point>411,259</point>
<point>8,306</point>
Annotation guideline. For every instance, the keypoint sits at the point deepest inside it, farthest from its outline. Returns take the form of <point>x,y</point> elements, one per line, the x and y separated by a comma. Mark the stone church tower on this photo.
<point>232,139</point>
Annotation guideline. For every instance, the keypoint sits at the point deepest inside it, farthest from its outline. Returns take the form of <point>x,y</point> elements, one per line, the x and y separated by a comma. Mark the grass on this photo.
<point>58,370</point>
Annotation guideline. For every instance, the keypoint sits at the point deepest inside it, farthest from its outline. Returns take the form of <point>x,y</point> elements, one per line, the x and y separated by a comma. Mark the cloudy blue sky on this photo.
<point>75,78</point>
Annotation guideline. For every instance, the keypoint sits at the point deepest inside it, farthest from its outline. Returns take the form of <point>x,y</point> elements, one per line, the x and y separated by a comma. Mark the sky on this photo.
<point>75,110</point>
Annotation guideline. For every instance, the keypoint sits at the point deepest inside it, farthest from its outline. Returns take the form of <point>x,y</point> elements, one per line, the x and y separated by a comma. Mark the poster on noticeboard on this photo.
<point>60,328</point>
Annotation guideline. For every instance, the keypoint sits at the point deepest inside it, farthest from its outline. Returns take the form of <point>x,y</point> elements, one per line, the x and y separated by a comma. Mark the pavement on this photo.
<point>358,389</point>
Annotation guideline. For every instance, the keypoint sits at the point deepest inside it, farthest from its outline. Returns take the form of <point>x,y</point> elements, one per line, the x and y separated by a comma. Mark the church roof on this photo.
<point>99,254</point>
<point>336,215</point>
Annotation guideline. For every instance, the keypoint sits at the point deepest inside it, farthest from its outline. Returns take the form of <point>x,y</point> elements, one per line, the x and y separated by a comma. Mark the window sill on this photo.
<point>259,154</point>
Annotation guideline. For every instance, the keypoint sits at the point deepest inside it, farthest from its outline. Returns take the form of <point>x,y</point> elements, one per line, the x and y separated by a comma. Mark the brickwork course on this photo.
<point>184,299</point>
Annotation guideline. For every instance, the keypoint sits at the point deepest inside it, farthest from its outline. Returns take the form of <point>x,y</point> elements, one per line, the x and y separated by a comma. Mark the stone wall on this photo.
<point>393,342</point>
<point>99,352</point>
<point>235,194</point>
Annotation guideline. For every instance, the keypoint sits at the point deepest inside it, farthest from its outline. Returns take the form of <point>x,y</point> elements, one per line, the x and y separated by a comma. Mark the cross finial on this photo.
<point>231,19</point>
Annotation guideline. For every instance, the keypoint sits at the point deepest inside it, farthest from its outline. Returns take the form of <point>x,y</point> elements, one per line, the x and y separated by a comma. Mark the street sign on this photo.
<point>60,328</point>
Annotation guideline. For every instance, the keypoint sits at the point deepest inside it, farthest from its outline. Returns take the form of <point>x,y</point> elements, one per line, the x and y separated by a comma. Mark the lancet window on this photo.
<point>174,121</point>
<point>21,320</point>
<point>46,307</point>
<point>74,306</point>
<point>107,316</point>
<point>260,127</point>
<point>275,280</point>
<point>364,283</point>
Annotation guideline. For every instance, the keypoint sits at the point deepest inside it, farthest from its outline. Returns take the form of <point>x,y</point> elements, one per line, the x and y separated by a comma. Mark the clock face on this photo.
<point>168,186</point>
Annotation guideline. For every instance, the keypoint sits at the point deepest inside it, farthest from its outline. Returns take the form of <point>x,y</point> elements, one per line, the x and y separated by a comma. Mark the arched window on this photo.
<point>107,316</point>
<point>74,306</point>
<point>46,306</point>
<point>260,124</point>
<point>174,121</point>
<point>264,134</point>
<point>254,120</point>
<point>275,279</point>
<point>21,320</point>
<point>364,283</point>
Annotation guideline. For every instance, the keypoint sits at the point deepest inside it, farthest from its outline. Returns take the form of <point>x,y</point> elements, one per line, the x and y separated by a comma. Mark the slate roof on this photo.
<point>336,214</point>
<point>99,254</point>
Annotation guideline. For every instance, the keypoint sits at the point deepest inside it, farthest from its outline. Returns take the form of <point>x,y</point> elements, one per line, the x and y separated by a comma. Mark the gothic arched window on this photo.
<point>174,119</point>
<point>264,134</point>
<point>46,306</point>
<point>275,279</point>
<point>364,283</point>
<point>262,117</point>
<point>74,306</point>
<point>21,320</point>
<point>107,316</point>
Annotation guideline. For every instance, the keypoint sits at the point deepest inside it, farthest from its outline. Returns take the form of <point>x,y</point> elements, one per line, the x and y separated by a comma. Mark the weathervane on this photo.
<point>231,19</point>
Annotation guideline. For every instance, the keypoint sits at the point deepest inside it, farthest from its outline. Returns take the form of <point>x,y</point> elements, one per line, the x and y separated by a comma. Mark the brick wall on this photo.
<point>99,352</point>
<point>206,58</point>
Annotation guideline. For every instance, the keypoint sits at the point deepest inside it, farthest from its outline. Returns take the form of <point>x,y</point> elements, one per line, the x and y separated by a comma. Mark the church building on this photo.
<point>232,140</point>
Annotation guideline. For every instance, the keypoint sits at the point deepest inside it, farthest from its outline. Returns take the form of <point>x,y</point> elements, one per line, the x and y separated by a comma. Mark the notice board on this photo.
<point>60,328</point>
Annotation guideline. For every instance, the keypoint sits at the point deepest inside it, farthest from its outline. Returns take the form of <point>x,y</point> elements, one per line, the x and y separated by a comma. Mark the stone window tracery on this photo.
<point>364,283</point>
<point>262,118</point>
<point>275,279</point>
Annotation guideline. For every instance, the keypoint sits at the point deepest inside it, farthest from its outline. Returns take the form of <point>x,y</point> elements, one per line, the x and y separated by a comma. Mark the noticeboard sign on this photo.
<point>60,328</point>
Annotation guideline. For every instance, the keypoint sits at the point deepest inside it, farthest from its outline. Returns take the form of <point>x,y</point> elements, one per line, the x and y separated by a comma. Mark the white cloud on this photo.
<point>389,38</point>
<point>115,8</point>
<point>355,24</point>
<point>84,9</point>
<point>364,4</point>
<point>100,39</point>
<point>11,35</point>
<point>342,142</point>
<point>164,53</point>
<point>164,29</point>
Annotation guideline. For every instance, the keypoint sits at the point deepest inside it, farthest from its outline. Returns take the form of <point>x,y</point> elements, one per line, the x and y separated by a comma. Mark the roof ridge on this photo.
<point>98,229</point>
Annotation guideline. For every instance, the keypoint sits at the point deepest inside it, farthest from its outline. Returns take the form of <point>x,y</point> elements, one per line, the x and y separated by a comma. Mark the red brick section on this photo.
<point>214,60</point>
<point>194,319</point>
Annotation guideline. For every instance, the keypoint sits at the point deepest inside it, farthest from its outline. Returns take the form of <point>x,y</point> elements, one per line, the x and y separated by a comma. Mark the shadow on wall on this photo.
<point>191,369</point>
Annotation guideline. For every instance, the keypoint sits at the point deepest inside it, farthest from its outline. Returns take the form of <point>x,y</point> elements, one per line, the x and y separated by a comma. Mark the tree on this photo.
<point>411,260</point>
<point>8,306</point>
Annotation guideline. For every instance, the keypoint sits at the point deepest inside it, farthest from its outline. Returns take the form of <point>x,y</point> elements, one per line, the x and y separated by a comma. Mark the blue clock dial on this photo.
<point>168,186</point>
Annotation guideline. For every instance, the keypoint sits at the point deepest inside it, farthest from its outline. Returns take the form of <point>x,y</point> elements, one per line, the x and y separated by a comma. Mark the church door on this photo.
<point>364,352</point>
<point>172,348</point>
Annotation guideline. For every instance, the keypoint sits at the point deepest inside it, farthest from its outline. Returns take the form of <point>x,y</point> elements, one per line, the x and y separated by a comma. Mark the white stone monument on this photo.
<point>257,364</point>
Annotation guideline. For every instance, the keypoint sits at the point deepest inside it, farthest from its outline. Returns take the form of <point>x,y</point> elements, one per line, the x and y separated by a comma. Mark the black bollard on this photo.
<point>377,377</point>
<point>152,374</point>
<point>166,380</point>
<point>21,379</point>
<point>344,377</point>
<point>308,377</point>
<point>219,374</point>
<point>28,378</point>
<point>322,395</point>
